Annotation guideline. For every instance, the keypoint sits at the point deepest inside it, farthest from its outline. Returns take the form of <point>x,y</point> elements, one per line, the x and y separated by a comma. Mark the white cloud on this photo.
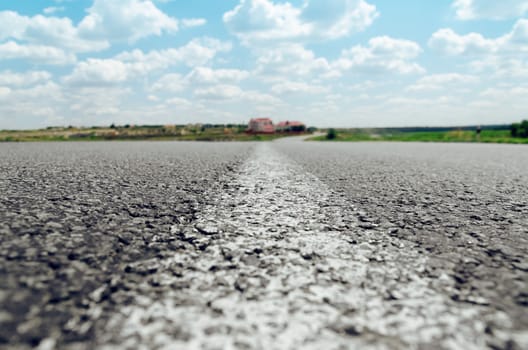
<point>193,22</point>
<point>50,91</point>
<point>196,53</point>
<point>53,9</point>
<point>383,54</point>
<point>264,20</point>
<point>504,57</point>
<point>106,22</point>
<point>446,41</point>
<point>46,31</point>
<point>180,102</point>
<point>224,92</point>
<point>125,20</point>
<point>130,65</point>
<point>36,105</point>
<point>291,60</point>
<point>35,53</point>
<point>8,78</point>
<point>98,72</point>
<point>89,102</point>
<point>12,25</point>
<point>293,68</point>
<point>261,98</point>
<point>519,35</point>
<point>199,76</point>
<point>290,87</point>
<point>4,92</point>
<point>170,83</point>
<point>491,102</point>
<point>338,18</point>
<point>96,105</point>
<point>501,67</point>
<point>489,9</point>
<point>442,81</point>
<point>493,92</point>
<point>205,75</point>
<point>219,92</point>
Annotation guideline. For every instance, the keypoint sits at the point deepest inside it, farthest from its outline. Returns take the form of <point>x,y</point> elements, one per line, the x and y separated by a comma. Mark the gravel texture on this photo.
<point>280,245</point>
<point>463,208</point>
<point>83,226</point>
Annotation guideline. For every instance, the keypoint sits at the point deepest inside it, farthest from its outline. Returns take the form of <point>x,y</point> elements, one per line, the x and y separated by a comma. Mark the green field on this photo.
<point>130,133</point>
<point>486,136</point>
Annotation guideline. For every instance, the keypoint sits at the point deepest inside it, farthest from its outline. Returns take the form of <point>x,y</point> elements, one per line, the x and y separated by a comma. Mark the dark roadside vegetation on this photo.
<point>190,132</point>
<point>520,129</point>
<point>515,133</point>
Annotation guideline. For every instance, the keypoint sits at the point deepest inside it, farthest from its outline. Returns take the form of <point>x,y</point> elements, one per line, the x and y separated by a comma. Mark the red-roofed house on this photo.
<point>291,126</point>
<point>261,126</point>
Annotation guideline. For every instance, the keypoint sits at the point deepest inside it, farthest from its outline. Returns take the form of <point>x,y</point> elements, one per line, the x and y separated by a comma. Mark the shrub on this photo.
<point>520,129</point>
<point>299,128</point>
<point>331,134</point>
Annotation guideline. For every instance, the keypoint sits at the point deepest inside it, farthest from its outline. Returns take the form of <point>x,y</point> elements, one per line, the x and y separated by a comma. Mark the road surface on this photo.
<point>281,245</point>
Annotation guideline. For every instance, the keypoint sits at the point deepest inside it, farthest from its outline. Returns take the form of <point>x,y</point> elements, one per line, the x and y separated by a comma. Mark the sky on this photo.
<point>340,63</point>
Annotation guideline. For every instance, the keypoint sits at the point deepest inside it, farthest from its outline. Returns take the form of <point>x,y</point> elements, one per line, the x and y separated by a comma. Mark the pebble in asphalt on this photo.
<point>281,245</point>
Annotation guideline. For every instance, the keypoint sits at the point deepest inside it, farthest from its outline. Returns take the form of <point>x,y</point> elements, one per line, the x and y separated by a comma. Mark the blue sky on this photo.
<point>343,63</point>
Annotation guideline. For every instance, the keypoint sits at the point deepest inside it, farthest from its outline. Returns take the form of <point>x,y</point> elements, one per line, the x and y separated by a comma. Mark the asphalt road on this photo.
<point>280,245</point>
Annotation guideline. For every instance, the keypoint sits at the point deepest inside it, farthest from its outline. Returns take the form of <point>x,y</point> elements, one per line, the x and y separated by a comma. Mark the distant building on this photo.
<point>261,126</point>
<point>291,126</point>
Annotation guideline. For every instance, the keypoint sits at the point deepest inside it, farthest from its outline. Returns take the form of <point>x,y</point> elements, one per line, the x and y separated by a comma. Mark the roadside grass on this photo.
<point>143,133</point>
<point>486,136</point>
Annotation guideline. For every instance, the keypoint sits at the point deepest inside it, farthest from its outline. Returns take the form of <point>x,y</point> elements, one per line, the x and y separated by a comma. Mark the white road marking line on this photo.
<point>289,269</point>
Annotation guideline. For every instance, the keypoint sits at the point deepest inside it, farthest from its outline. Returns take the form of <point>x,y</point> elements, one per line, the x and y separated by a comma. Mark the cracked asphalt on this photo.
<point>280,245</point>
